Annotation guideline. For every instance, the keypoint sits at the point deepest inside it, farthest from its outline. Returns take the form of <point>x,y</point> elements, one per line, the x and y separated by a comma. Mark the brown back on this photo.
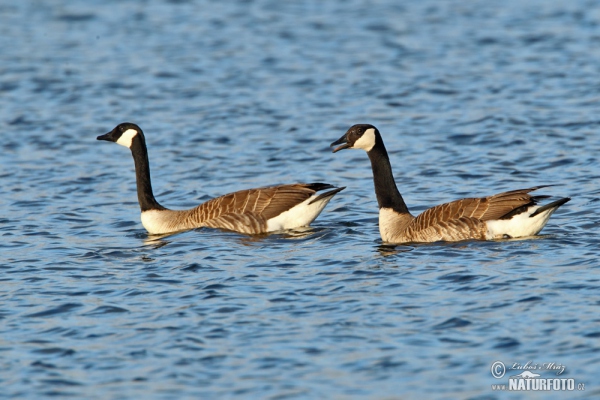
<point>265,202</point>
<point>483,208</point>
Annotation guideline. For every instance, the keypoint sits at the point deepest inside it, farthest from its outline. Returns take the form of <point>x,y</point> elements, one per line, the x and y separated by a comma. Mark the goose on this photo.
<point>512,214</point>
<point>251,211</point>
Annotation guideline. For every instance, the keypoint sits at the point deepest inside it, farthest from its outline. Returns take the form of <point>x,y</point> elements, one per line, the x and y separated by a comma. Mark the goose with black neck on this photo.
<point>251,211</point>
<point>512,214</point>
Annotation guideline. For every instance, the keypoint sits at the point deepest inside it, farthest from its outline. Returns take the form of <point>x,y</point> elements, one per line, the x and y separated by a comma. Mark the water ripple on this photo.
<point>471,99</point>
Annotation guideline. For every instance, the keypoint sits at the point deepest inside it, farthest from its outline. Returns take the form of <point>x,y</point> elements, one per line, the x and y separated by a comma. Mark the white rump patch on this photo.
<point>520,225</point>
<point>127,137</point>
<point>300,215</point>
<point>366,141</point>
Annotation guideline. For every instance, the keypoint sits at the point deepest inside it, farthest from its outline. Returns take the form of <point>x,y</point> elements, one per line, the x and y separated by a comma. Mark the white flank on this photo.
<point>127,137</point>
<point>520,225</point>
<point>156,221</point>
<point>300,215</point>
<point>366,141</point>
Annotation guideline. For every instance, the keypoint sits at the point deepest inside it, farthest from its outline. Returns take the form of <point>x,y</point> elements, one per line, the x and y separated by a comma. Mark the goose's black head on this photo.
<point>123,134</point>
<point>360,136</point>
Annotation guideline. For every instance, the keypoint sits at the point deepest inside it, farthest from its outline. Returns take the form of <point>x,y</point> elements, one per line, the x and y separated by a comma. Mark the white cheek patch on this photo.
<point>366,141</point>
<point>127,137</point>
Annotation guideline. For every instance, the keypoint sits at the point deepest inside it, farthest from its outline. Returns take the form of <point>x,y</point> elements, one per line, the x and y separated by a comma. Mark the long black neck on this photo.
<point>142,175</point>
<point>387,193</point>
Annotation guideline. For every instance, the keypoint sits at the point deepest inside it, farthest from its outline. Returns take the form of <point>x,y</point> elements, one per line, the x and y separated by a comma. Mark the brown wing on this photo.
<point>268,202</point>
<point>250,223</point>
<point>253,206</point>
<point>498,206</point>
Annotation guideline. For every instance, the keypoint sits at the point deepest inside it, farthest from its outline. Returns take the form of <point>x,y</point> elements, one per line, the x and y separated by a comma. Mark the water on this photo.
<point>472,98</point>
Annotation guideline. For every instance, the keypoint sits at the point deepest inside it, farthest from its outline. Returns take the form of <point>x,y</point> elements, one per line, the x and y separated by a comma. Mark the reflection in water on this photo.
<point>309,232</point>
<point>157,241</point>
<point>392,249</point>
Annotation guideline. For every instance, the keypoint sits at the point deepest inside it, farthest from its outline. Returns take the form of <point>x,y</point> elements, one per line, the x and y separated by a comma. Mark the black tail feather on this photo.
<point>327,194</point>
<point>318,186</point>
<point>550,206</point>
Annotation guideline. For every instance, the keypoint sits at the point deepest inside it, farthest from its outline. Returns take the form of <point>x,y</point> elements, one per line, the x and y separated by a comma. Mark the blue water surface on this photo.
<point>471,97</point>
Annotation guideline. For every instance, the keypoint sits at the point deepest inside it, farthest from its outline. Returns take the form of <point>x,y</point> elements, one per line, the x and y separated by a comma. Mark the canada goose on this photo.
<point>510,214</point>
<point>249,211</point>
